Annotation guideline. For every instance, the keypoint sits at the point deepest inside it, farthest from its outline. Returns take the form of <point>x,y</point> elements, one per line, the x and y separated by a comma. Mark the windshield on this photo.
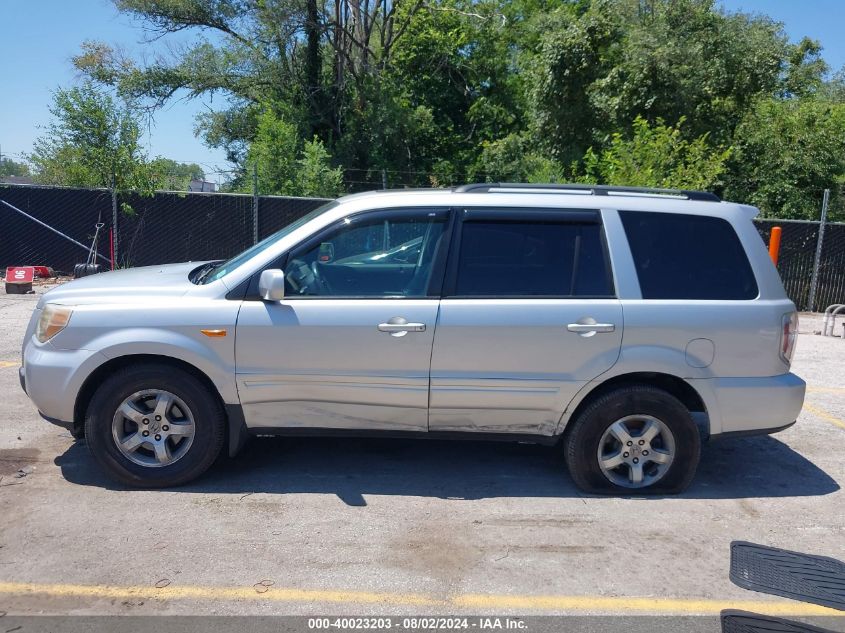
<point>228,266</point>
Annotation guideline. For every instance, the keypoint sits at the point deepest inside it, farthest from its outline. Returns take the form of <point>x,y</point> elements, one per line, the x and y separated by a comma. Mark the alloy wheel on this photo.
<point>153,428</point>
<point>636,451</point>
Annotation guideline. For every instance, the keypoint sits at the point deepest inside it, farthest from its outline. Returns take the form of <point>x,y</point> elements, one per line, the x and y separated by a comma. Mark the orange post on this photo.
<point>774,244</point>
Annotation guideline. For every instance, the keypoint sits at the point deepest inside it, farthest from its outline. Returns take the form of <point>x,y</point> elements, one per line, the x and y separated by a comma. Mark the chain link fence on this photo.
<point>55,226</point>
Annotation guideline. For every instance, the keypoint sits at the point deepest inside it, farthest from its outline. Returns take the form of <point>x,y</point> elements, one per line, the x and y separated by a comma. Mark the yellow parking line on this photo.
<point>824,415</point>
<point>826,389</point>
<point>605,604</point>
<point>9,363</point>
<point>258,592</point>
<point>589,604</point>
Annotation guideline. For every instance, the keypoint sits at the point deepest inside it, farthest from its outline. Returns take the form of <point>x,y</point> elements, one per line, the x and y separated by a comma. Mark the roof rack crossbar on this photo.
<point>596,190</point>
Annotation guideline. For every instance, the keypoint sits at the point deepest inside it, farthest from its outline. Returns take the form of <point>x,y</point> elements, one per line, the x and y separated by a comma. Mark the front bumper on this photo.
<point>53,377</point>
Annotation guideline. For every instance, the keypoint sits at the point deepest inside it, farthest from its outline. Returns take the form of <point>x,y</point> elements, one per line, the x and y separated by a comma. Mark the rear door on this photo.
<point>528,316</point>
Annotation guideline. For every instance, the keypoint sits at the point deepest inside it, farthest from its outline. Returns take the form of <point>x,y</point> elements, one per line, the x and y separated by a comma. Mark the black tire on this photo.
<point>209,422</point>
<point>581,442</point>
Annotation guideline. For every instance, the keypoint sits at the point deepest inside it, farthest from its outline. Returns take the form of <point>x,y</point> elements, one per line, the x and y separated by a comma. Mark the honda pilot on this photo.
<point>624,325</point>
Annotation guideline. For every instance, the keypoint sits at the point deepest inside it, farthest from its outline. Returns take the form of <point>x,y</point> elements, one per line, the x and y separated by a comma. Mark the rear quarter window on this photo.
<point>681,256</point>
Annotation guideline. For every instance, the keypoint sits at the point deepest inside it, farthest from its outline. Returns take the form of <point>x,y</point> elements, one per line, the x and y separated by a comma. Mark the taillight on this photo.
<point>788,336</point>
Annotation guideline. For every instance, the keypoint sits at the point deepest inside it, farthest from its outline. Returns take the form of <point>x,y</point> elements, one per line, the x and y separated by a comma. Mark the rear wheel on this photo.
<point>154,426</point>
<point>635,439</point>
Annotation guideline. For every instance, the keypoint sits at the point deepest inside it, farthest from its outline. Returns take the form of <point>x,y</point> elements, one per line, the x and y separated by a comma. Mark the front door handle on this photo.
<point>590,328</point>
<point>397,326</point>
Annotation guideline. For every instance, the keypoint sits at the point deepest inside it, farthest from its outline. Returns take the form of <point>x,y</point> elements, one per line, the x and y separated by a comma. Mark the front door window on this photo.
<point>388,255</point>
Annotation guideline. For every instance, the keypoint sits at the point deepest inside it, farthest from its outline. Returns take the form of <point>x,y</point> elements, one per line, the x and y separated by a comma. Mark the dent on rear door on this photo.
<point>513,366</point>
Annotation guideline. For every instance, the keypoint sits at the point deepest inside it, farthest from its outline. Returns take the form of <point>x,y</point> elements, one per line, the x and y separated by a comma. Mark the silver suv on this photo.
<point>624,324</point>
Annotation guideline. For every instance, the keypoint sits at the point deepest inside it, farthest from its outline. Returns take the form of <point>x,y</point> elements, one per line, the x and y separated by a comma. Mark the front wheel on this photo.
<point>154,426</point>
<point>635,439</point>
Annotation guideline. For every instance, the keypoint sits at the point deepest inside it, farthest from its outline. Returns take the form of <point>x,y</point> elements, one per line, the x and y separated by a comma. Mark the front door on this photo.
<point>528,316</point>
<point>350,345</point>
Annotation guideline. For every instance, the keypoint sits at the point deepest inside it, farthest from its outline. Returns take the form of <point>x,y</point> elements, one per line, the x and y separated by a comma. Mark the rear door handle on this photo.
<point>397,326</point>
<point>583,328</point>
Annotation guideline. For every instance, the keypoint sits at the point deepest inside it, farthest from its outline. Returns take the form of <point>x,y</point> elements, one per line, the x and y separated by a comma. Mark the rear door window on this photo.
<point>680,256</point>
<point>511,257</point>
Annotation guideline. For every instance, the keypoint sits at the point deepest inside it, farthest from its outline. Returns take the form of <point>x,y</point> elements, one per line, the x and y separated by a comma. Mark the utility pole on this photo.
<point>814,282</point>
<point>384,179</point>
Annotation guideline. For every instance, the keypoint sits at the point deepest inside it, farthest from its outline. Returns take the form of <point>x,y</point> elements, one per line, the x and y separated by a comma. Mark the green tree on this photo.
<point>285,166</point>
<point>656,156</point>
<point>92,141</point>
<point>596,70</point>
<point>445,91</point>
<point>805,70</point>
<point>786,153</point>
<point>272,155</point>
<point>9,167</point>
<point>395,84</point>
<point>315,176</point>
<point>313,60</point>
<point>513,159</point>
<point>573,56</point>
<point>456,70</point>
<point>171,175</point>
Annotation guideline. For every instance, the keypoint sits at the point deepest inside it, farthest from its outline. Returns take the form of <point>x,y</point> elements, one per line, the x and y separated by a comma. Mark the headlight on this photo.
<point>54,319</point>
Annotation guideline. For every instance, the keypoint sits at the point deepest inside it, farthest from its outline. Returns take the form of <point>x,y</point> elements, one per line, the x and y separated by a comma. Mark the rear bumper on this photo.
<point>752,432</point>
<point>753,406</point>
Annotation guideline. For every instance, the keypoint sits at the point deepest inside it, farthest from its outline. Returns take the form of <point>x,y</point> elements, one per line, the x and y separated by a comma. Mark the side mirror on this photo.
<point>271,285</point>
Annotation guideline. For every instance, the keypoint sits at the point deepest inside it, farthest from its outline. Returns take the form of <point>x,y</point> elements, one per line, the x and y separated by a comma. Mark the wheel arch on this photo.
<point>95,378</point>
<point>674,385</point>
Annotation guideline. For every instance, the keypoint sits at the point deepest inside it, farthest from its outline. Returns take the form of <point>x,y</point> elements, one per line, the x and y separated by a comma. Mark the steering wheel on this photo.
<point>321,282</point>
<point>302,278</point>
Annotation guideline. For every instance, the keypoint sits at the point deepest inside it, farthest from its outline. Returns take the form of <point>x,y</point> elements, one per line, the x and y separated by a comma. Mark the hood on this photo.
<point>130,284</point>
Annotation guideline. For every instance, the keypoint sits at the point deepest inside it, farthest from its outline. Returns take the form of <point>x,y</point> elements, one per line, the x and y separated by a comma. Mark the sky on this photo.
<point>39,37</point>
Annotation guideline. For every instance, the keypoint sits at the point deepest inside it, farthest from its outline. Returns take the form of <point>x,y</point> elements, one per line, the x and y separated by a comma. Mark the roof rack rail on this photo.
<point>596,190</point>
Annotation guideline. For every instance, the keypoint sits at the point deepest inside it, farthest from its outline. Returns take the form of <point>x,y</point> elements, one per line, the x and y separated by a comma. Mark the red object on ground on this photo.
<point>20,274</point>
<point>19,279</point>
<point>43,271</point>
<point>111,246</point>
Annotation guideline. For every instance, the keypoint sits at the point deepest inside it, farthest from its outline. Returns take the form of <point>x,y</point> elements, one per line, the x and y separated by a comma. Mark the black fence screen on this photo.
<point>797,251</point>
<point>73,212</point>
<point>799,240</point>
<point>170,227</point>
<point>159,229</point>
<point>831,284</point>
<point>176,227</point>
